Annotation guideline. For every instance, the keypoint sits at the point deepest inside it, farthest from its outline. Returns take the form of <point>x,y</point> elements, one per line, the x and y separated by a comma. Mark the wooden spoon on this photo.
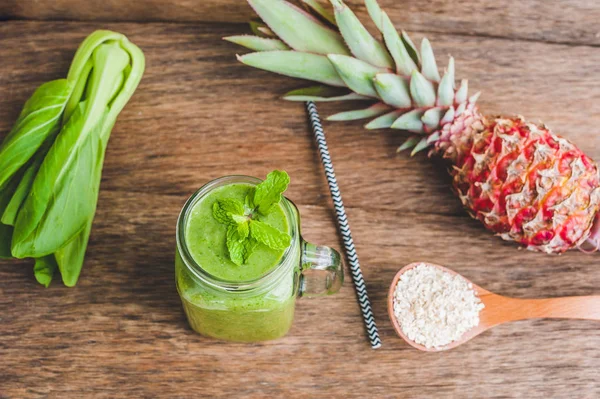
<point>500,309</point>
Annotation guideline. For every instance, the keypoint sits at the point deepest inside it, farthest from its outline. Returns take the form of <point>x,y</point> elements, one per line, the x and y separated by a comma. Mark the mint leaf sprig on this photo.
<point>244,230</point>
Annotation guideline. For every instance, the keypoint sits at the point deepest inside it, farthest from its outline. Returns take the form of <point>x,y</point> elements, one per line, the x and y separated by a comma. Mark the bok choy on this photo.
<point>51,160</point>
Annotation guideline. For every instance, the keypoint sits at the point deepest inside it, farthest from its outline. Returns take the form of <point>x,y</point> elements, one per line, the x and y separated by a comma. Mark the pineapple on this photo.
<point>519,179</point>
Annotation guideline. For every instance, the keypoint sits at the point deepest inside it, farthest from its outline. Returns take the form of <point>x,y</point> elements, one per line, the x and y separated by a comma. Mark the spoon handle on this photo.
<point>574,307</point>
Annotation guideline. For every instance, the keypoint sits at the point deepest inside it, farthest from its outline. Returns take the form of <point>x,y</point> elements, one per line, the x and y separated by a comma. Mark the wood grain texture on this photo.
<point>562,21</point>
<point>198,115</point>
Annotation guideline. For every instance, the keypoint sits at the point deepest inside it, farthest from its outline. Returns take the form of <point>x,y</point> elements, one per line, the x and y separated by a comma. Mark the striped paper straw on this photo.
<point>336,195</point>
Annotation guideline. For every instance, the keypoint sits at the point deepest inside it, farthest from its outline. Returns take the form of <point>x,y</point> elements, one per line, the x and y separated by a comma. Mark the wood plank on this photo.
<point>193,80</point>
<point>564,21</point>
<point>198,115</point>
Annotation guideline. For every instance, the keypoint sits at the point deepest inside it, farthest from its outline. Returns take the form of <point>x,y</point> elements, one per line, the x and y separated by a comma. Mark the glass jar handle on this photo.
<point>322,271</point>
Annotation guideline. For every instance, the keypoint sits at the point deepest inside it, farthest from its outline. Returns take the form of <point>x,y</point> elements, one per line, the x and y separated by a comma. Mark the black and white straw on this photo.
<point>336,195</point>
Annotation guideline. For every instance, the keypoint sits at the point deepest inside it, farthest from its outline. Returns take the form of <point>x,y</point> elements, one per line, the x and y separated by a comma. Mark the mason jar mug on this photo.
<point>262,308</point>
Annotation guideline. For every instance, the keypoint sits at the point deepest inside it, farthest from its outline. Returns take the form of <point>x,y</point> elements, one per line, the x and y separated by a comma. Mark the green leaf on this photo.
<point>221,215</point>
<point>223,210</point>
<point>269,235</point>
<point>6,231</point>
<point>393,90</point>
<point>375,13</point>
<point>243,229</point>
<point>250,245</point>
<point>296,65</point>
<point>429,67</point>
<point>134,72</point>
<point>298,29</point>
<point>64,193</point>
<point>462,93</point>
<point>432,117</point>
<point>239,218</point>
<point>249,202</point>
<point>356,74</point>
<point>78,91</point>
<point>362,45</point>
<point>321,10</point>
<point>232,206</point>
<point>110,61</point>
<point>421,90</point>
<point>12,208</point>
<point>87,48</point>
<point>57,215</point>
<point>403,60</point>
<point>410,121</point>
<point>373,110</point>
<point>384,121</point>
<point>44,269</point>
<point>257,43</point>
<point>266,32</point>
<point>39,119</point>
<point>268,193</point>
<point>9,216</point>
<point>323,94</point>
<point>256,28</point>
<point>411,48</point>
<point>409,143</point>
<point>448,116</point>
<point>421,145</point>
<point>446,88</point>
<point>9,189</point>
<point>5,239</point>
<point>70,257</point>
<point>235,246</point>
<point>433,138</point>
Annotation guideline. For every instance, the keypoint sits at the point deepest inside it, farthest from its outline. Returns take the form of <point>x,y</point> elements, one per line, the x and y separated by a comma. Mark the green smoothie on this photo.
<point>206,238</point>
<point>262,313</point>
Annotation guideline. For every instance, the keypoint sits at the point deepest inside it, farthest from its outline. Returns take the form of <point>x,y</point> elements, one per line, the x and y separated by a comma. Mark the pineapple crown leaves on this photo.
<point>332,47</point>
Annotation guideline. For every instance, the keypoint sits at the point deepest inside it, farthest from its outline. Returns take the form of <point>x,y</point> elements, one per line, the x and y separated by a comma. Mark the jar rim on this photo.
<point>196,269</point>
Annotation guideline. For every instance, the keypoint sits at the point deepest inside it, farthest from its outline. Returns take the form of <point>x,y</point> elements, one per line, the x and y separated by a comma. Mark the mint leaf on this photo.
<point>244,232</point>
<point>243,229</point>
<point>268,193</point>
<point>235,246</point>
<point>249,201</point>
<point>269,235</point>
<point>239,218</point>
<point>250,245</point>
<point>225,210</point>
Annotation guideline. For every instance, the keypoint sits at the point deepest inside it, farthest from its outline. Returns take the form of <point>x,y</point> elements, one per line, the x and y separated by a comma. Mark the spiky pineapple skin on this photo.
<point>522,181</point>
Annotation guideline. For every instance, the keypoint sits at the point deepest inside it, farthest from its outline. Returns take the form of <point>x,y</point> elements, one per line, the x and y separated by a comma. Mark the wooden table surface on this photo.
<point>198,115</point>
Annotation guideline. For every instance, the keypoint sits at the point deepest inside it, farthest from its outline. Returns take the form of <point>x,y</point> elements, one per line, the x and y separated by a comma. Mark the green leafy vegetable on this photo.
<point>236,246</point>
<point>39,119</point>
<point>44,269</point>
<point>268,193</point>
<point>245,230</point>
<point>63,195</point>
<point>9,216</point>
<point>6,231</point>
<point>70,257</point>
<point>5,237</point>
<point>268,235</point>
<point>224,210</point>
<point>51,161</point>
